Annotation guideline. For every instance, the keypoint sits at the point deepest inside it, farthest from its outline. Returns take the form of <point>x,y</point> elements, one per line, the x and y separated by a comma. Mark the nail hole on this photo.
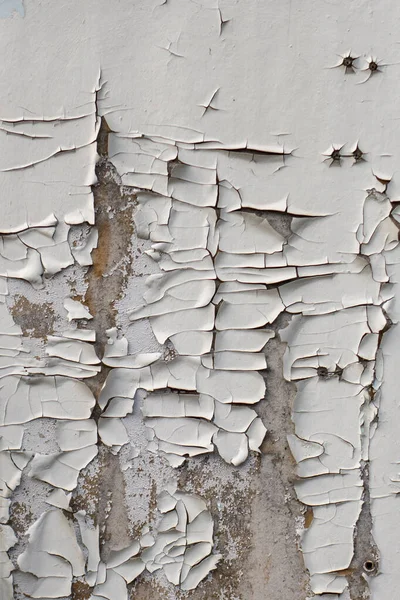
<point>335,155</point>
<point>369,566</point>
<point>358,154</point>
<point>322,372</point>
<point>348,61</point>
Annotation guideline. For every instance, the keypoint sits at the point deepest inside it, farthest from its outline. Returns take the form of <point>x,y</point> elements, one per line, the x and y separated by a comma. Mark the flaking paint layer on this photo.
<point>180,204</point>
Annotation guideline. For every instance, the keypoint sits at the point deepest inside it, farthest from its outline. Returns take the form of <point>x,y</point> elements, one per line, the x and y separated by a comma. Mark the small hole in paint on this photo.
<point>335,155</point>
<point>322,372</point>
<point>369,566</point>
<point>358,154</point>
<point>348,61</point>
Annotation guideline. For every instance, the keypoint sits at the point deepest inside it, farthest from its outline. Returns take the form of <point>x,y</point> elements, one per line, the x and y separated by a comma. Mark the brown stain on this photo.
<point>344,572</point>
<point>21,517</point>
<point>102,138</point>
<point>101,254</point>
<point>112,259</point>
<point>80,590</point>
<point>78,297</point>
<point>35,320</point>
<point>308,517</point>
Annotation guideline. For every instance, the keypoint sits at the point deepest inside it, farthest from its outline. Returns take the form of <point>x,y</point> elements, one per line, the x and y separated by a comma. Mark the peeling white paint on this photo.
<point>263,155</point>
<point>182,547</point>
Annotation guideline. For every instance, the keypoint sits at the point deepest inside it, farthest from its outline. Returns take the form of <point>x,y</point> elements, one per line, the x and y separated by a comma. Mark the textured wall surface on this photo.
<point>199,308</point>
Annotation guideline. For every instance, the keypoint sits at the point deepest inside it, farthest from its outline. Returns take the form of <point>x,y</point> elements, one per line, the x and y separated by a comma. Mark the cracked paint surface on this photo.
<point>198,300</point>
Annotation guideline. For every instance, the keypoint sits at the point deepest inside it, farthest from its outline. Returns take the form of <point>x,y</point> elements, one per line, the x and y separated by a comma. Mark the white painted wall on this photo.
<point>184,185</point>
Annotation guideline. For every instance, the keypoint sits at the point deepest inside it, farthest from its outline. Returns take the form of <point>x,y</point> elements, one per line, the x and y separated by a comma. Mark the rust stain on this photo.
<point>308,517</point>
<point>345,572</point>
<point>101,254</point>
<point>102,138</point>
<point>80,591</point>
<point>112,265</point>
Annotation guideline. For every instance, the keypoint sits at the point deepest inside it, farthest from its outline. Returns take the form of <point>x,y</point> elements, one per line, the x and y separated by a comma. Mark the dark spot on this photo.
<point>358,154</point>
<point>322,372</point>
<point>373,66</point>
<point>348,61</point>
<point>334,156</point>
<point>80,590</point>
<point>369,566</point>
<point>348,64</point>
